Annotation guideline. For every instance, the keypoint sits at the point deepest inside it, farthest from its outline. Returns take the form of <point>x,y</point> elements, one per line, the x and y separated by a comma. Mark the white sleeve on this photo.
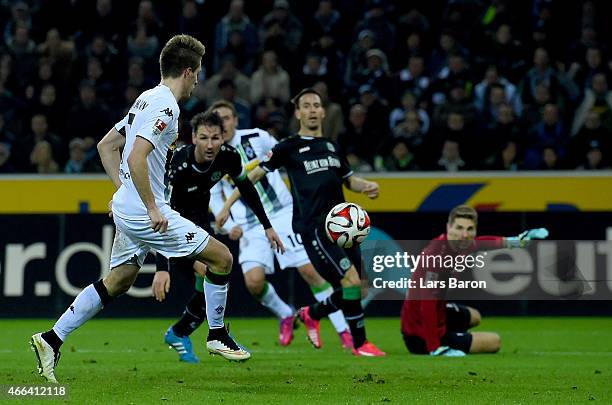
<point>268,141</point>
<point>120,126</point>
<point>157,124</point>
<point>216,204</point>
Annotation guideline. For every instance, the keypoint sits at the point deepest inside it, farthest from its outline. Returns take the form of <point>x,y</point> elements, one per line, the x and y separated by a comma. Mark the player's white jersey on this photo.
<point>253,145</point>
<point>154,117</point>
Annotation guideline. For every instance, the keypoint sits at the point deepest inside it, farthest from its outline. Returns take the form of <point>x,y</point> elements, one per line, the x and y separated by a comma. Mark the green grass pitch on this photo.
<point>543,360</point>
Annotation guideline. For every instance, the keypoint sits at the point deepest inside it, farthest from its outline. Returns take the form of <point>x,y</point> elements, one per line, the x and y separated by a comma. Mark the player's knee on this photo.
<point>475,317</point>
<point>255,287</point>
<point>225,261</point>
<point>117,285</point>
<point>495,343</point>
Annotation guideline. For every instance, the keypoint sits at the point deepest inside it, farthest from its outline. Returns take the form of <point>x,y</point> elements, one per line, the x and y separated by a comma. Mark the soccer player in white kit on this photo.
<point>134,154</point>
<point>256,258</point>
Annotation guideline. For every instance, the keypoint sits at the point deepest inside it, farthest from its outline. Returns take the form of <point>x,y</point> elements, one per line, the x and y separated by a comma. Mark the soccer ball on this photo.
<point>347,224</point>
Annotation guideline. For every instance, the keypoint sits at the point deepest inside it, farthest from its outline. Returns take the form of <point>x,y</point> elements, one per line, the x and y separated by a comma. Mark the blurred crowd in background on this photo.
<point>437,85</point>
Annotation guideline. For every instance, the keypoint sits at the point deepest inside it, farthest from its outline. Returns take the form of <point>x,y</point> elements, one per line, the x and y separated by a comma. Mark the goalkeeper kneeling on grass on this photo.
<point>430,324</point>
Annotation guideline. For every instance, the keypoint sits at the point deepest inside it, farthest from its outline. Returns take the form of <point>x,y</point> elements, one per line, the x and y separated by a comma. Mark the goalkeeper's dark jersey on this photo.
<point>316,171</point>
<point>189,183</point>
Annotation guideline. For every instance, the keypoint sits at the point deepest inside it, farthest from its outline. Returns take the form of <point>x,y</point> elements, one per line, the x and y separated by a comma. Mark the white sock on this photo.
<point>274,303</point>
<point>215,298</point>
<point>336,318</point>
<point>85,306</point>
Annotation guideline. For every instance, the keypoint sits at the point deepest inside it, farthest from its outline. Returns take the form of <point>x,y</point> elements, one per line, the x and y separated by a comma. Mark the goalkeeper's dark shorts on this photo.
<point>456,337</point>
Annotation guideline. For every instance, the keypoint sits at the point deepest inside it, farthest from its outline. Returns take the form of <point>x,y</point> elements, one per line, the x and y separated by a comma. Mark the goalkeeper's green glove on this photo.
<point>447,352</point>
<point>524,238</point>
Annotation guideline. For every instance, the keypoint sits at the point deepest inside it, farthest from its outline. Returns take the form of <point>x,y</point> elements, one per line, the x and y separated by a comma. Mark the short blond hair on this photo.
<point>179,53</point>
<point>463,211</point>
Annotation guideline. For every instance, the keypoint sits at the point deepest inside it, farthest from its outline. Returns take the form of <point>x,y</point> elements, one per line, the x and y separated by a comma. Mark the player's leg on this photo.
<point>219,260</point>
<point>321,289</point>
<point>256,260</point>
<point>485,342</point>
<point>126,259</point>
<point>177,335</point>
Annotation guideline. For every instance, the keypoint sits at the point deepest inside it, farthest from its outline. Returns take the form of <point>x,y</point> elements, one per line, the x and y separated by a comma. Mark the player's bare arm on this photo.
<point>139,170</point>
<point>361,185</point>
<point>109,149</point>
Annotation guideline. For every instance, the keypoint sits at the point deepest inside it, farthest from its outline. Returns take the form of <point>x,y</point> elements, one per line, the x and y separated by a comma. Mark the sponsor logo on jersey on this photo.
<point>189,236</point>
<point>159,126</point>
<point>304,149</point>
<point>190,189</point>
<point>168,112</point>
<point>318,165</point>
<point>331,147</point>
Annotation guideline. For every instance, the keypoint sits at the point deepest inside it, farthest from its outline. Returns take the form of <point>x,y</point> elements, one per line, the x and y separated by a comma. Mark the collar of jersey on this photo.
<point>306,137</point>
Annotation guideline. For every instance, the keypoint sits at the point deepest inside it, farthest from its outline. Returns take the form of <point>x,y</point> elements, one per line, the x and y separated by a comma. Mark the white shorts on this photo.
<point>255,250</point>
<point>134,238</point>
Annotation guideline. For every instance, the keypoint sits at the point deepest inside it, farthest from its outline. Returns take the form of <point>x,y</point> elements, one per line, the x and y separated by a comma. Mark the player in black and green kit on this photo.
<point>317,172</point>
<point>192,172</point>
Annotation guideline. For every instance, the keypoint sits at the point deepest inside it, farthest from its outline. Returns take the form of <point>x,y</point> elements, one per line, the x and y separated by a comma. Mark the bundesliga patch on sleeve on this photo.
<point>159,126</point>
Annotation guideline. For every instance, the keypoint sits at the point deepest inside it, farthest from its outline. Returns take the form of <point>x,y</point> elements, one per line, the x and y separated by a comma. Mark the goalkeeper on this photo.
<point>430,324</point>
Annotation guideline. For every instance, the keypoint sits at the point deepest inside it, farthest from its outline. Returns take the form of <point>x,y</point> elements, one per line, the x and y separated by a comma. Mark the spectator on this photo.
<point>505,53</point>
<point>281,31</point>
<point>148,19</point>
<point>409,104</point>
<point>543,73</point>
<point>376,74</point>
<point>456,72</point>
<point>375,20</point>
<point>549,131</point>
<point>5,158</point>
<point>507,159</point>
<point>234,21</point>
<point>482,89</point>
<point>190,21</point>
<point>410,129</point>
<point>533,111</point>
<point>359,142</point>
<point>228,92</point>
<point>456,102</point>
<point>141,43</point>
<point>237,49</point>
<point>401,158</point>
<point>6,135</point>
<point>61,54</point>
<point>582,73</point>
<point>314,70</point>
<point>450,157</point>
<point>447,45</point>
<point>228,71</point>
<point>106,54</point>
<point>594,158</point>
<point>42,158</point>
<point>23,51</point>
<point>377,113</point>
<point>597,98</point>
<point>78,161</point>
<point>326,22</point>
<point>270,80</point>
<point>20,16</point>
<point>413,78</point>
<point>356,59</point>
<point>550,159</point>
<point>47,104</point>
<point>40,132</point>
<point>89,117</point>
